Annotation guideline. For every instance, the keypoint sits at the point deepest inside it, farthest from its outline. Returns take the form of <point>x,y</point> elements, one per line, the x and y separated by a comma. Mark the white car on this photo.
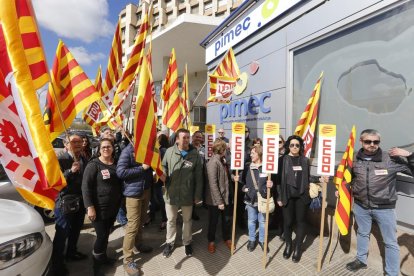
<point>25,248</point>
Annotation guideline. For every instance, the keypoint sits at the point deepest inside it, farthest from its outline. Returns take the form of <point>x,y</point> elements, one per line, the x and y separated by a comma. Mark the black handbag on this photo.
<point>69,203</point>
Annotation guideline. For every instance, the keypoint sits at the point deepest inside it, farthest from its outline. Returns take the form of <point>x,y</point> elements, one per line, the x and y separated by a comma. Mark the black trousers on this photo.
<point>102,229</point>
<point>68,227</point>
<point>213,215</point>
<point>295,212</point>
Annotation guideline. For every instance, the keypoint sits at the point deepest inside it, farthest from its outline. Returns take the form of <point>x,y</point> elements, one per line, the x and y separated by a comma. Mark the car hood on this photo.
<point>18,219</point>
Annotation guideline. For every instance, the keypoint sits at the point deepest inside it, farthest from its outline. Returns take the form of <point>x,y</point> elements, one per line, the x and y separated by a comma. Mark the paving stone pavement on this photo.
<point>221,262</point>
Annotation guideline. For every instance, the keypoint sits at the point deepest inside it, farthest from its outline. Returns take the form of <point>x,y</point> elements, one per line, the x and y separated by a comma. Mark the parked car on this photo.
<point>25,248</point>
<point>8,191</point>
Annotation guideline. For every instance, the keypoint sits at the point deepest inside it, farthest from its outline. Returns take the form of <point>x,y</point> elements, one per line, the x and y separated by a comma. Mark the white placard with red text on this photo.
<point>326,149</point>
<point>237,145</point>
<point>270,147</point>
<point>209,139</point>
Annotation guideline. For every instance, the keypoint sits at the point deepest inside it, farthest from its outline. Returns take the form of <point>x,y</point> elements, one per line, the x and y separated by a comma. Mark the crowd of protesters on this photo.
<point>109,185</point>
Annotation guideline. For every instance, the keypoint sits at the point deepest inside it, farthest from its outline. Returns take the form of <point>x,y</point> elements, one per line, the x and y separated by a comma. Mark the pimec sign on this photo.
<point>326,148</point>
<point>209,139</point>
<point>270,147</point>
<point>237,145</point>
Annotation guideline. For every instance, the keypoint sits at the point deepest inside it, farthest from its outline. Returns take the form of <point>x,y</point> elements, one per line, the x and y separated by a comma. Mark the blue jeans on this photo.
<point>253,216</point>
<point>387,223</point>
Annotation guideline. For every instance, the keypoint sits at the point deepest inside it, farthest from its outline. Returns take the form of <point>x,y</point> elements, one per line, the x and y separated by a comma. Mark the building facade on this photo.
<point>179,24</point>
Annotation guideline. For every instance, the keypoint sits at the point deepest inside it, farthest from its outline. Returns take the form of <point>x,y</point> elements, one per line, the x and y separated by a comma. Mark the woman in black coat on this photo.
<point>293,194</point>
<point>101,190</point>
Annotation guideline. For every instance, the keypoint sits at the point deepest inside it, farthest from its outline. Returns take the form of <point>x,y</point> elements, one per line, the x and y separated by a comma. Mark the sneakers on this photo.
<point>168,249</point>
<point>211,247</point>
<point>188,250</point>
<point>355,265</point>
<point>131,269</point>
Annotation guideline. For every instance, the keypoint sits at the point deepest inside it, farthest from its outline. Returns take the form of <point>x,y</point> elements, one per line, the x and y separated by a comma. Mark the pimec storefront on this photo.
<point>364,48</point>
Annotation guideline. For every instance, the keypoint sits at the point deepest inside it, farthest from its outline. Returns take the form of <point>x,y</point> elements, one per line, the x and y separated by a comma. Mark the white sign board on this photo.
<point>237,146</point>
<point>326,149</point>
<point>270,147</point>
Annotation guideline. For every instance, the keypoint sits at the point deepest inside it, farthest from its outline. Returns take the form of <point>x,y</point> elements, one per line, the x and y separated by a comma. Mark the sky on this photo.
<point>85,26</point>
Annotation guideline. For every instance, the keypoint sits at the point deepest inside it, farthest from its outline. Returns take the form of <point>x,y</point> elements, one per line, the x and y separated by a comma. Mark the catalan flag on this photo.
<point>342,180</point>
<point>172,115</point>
<point>70,92</point>
<point>28,159</point>
<point>307,123</point>
<point>27,29</point>
<point>133,65</point>
<point>114,67</point>
<point>185,100</point>
<point>224,77</point>
<point>146,145</point>
<point>98,81</point>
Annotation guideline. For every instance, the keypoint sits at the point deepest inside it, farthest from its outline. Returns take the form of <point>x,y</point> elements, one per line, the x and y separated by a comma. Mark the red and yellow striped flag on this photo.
<point>28,159</point>
<point>185,100</point>
<point>26,27</point>
<point>225,75</point>
<point>134,63</point>
<point>146,145</point>
<point>172,116</point>
<point>98,81</point>
<point>307,123</point>
<point>73,91</point>
<point>114,67</point>
<point>343,180</point>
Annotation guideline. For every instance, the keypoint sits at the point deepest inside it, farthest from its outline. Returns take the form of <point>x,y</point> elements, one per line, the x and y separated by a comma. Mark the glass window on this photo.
<point>368,78</point>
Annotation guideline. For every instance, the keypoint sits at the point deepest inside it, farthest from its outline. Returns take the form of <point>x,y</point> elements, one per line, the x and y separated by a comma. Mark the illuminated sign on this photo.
<point>326,148</point>
<point>209,139</point>
<point>270,147</point>
<point>237,146</point>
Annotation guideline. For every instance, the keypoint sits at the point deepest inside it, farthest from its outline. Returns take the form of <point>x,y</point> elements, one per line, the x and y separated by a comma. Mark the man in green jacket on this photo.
<point>184,182</point>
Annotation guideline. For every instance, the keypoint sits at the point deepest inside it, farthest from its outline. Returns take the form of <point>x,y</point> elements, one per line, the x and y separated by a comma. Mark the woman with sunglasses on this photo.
<point>101,190</point>
<point>293,194</point>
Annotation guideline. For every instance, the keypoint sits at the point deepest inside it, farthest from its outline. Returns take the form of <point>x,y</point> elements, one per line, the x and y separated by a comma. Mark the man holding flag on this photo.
<point>374,190</point>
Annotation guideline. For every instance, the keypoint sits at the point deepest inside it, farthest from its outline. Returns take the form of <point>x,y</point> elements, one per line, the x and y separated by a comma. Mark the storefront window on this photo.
<point>368,78</point>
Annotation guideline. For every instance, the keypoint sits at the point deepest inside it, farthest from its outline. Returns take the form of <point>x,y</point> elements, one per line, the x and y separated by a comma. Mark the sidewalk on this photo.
<point>202,262</point>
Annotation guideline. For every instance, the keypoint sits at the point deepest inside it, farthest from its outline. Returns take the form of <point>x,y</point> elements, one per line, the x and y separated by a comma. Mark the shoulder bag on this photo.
<point>261,202</point>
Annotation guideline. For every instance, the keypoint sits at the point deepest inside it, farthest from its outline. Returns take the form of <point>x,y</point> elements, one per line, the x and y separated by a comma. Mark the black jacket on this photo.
<point>101,188</point>
<point>250,196</point>
<point>374,181</point>
<point>73,180</point>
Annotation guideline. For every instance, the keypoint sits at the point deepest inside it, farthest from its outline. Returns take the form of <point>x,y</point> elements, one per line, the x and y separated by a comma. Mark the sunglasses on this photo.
<point>294,146</point>
<point>369,142</point>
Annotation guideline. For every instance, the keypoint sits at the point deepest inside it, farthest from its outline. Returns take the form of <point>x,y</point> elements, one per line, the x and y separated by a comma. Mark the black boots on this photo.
<point>288,250</point>
<point>297,254</point>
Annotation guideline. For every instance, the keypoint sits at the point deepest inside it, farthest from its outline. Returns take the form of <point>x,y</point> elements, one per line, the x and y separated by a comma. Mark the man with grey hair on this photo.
<point>373,184</point>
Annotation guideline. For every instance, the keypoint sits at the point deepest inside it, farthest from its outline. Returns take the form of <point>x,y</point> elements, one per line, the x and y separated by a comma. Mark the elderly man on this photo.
<point>222,137</point>
<point>68,226</point>
<point>374,189</point>
<point>184,186</point>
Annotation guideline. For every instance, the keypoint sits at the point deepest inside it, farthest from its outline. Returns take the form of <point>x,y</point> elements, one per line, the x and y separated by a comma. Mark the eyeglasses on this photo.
<point>221,132</point>
<point>369,142</point>
<point>294,146</point>
<point>76,141</point>
<point>106,147</point>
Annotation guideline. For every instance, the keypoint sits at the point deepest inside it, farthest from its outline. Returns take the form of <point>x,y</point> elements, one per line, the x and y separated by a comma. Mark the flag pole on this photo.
<point>322,227</point>
<point>233,233</point>
<point>264,261</point>
<point>218,64</point>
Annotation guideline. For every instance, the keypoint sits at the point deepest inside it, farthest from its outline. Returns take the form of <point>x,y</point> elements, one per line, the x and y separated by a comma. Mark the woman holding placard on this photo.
<point>255,181</point>
<point>293,194</point>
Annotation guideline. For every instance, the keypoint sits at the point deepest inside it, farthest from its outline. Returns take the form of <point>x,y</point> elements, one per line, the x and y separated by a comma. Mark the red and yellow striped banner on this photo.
<point>114,67</point>
<point>307,123</point>
<point>146,145</point>
<point>172,116</point>
<point>70,92</point>
<point>185,99</point>
<point>342,180</point>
